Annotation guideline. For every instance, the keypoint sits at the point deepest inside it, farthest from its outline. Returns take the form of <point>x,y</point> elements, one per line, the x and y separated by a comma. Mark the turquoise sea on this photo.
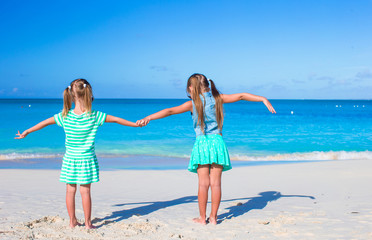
<point>302,130</point>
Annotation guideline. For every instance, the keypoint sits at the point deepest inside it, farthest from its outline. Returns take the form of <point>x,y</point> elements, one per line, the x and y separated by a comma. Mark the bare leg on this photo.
<point>203,175</point>
<point>87,204</point>
<point>70,204</point>
<point>215,182</point>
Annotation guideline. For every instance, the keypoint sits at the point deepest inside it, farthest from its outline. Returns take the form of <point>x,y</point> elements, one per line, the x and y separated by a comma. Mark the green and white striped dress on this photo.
<point>80,165</point>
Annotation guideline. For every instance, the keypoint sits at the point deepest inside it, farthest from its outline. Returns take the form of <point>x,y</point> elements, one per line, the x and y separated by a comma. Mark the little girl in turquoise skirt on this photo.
<point>209,157</point>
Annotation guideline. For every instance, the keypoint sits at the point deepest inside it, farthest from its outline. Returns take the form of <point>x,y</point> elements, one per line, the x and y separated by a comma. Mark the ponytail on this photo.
<point>67,101</point>
<point>219,104</point>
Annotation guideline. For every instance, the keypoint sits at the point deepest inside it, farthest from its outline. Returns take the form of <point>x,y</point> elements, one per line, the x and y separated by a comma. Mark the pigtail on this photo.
<point>67,101</point>
<point>219,104</point>
<point>198,105</point>
<point>79,89</point>
<point>88,97</point>
<point>196,85</point>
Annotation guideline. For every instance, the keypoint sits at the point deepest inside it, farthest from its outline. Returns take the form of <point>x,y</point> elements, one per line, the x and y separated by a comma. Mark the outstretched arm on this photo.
<point>113,119</point>
<point>187,106</point>
<point>37,127</point>
<point>230,98</point>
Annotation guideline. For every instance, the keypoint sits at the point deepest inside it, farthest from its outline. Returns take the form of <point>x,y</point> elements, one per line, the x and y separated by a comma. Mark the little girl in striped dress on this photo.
<point>209,156</point>
<point>79,165</point>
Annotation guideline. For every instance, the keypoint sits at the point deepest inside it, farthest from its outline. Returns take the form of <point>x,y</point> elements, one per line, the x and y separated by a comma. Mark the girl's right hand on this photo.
<point>21,135</point>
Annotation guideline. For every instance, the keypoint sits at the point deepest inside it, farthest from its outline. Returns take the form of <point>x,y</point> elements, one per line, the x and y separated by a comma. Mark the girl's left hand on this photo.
<point>269,106</point>
<point>21,135</point>
<point>143,122</point>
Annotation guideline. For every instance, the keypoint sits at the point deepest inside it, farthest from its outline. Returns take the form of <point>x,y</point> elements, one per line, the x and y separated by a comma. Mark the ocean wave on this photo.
<point>307,156</point>
<point>20,156</point>
<point>311,156</point>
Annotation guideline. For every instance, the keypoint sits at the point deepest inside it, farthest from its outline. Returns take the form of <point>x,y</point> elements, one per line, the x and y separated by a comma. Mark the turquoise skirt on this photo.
<point>209,149</point>
<point>79,170</point>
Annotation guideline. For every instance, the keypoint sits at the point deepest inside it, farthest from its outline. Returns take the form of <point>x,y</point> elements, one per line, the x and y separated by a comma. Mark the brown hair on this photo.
<point>199,83</point>
<point>78,89</point>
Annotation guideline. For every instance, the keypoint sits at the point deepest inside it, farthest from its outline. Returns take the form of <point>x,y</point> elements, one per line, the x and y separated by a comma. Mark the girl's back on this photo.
<point>210,119</point>
<point>80,132</point>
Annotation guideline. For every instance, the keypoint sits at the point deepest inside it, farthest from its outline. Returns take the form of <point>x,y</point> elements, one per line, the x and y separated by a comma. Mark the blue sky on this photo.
<point>148,49</point>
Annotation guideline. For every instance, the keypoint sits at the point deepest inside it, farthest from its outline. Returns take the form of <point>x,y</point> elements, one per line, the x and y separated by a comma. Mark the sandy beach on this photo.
<point>316,200</point>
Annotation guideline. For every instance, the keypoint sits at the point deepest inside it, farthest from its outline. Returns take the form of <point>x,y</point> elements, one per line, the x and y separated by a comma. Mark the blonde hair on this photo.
<point>199,83</point>
<point>78,89</point>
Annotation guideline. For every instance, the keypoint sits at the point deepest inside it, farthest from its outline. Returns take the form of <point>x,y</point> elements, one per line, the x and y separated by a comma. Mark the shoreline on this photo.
<point>268,157</point>
<point>322,200</point>
<point>137,162</point>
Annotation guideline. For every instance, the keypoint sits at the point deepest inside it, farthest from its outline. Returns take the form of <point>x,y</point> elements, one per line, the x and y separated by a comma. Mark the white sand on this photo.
<point>320,200</point>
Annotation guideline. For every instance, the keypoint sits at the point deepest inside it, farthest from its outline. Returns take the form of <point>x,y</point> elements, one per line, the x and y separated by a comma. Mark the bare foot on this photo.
<point>74,223</point>
<point>200,220</point>
<point>212,221</point>
<point>90,226</point>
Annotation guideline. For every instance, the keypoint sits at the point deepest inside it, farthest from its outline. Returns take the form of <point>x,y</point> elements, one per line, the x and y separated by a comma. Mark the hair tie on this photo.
<point>69,87</point>
<point>84,85</point>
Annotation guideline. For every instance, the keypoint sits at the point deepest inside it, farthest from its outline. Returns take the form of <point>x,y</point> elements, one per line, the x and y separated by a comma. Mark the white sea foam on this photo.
<point>314,156</point>
<point>308,156</point>
<point>19,156</point>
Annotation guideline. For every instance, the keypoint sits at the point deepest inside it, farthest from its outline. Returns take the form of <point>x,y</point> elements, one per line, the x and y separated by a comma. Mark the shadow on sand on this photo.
<point>258,202</point>
<point>150,207</point>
